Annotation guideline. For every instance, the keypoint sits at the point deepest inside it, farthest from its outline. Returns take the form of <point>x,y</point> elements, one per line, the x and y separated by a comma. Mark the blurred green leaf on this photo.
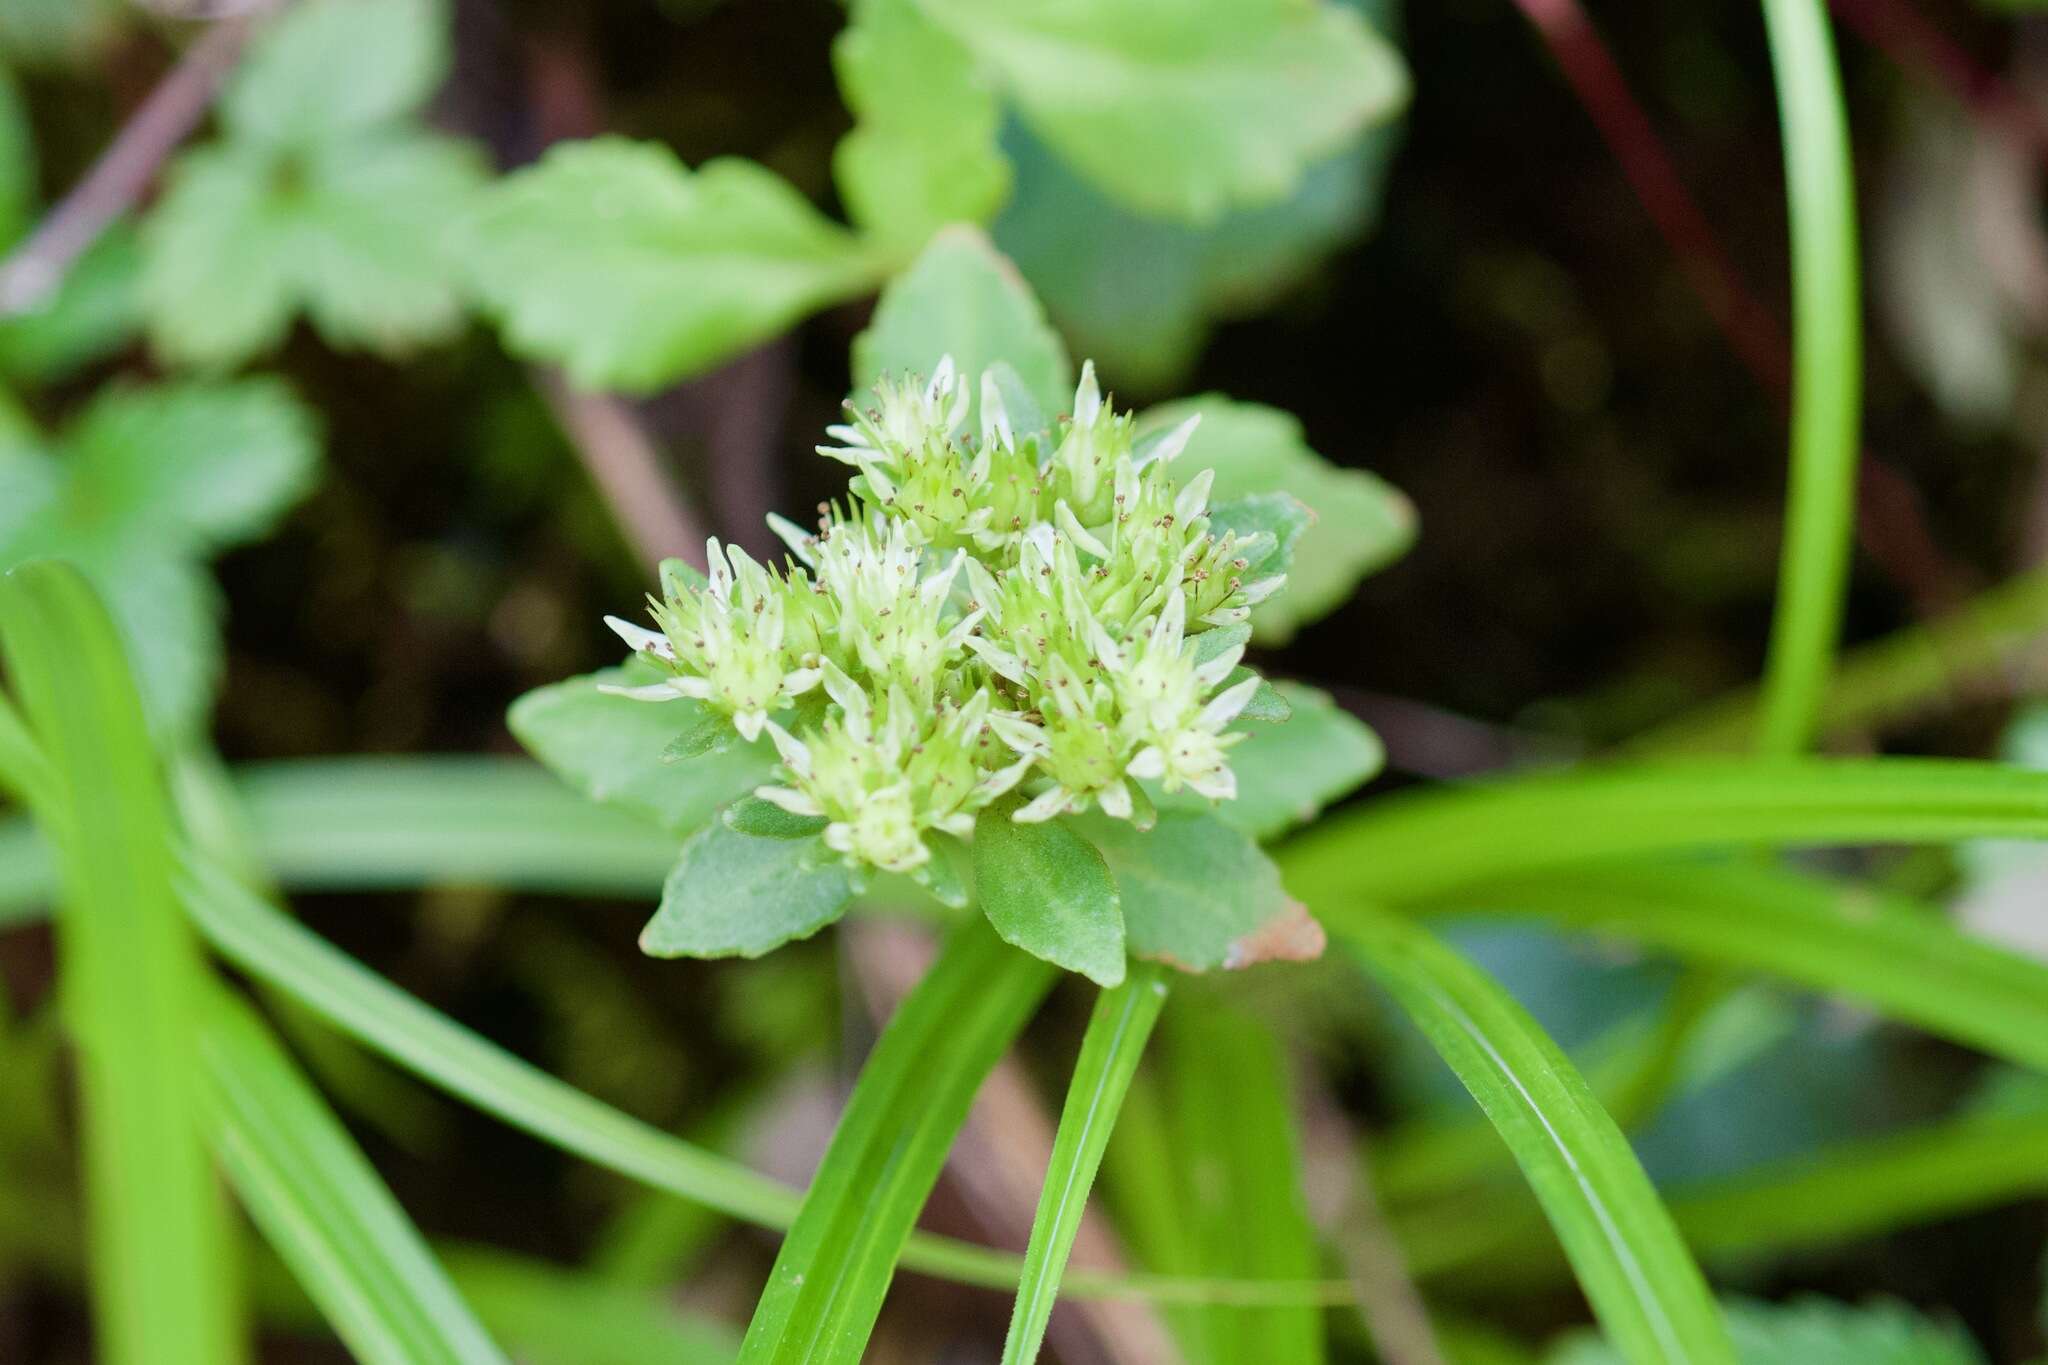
<point>1140,294</point>
<point>1361,523</point>
<point>132,976</point>
<point>153,480</point>
<point>1897,957</point>
<point>961,298</point>
<point>1185,110</point>
<point>199,465</point>
<point>17,162</point>
<point>327,69</point>
<point>742,895</point>
<point>923,150</point>
<point>1636,1271</point>
<point>56,31</point>
<point>95,311</point>
<point>615,749</point>
<point>1197,893</point>
<point>613,259</point>
<point>321,1205</point>
<point>1816,1332</point>
<point>359,231</point>
<point>835,1265</point>
<point>1110,1051</point>
<point>553,1317</point>
<point>1047,891</point>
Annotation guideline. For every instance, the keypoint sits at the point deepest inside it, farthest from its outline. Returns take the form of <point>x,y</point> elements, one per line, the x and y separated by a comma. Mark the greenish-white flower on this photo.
<point>990,611</point>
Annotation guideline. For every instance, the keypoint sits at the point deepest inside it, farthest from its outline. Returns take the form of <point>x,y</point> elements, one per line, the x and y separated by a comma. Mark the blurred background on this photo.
<point>1549,303</point>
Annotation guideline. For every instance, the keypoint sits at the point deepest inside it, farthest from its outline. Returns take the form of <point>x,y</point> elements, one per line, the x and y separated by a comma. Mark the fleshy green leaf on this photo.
<point>1047,890</point>
<point>328,68</point>
<point>1110,1051</point>
<point>1288,772</point>
<point>963,299</point>
<point>835,1265</point>
<point>1270,524</point>
<point>1268,705</point>
<point>766,820</point>
<point>734,894</point>
<point>132,977</point>
<point>923,150</point>
<point>1185,110</point>
<point>1634,1268</point>
<point>321,1205</point>
<point>612,258</point>
<point>1361,523</point>
<point>615,749</point>
<point>1197,893</point>
<point>1816,1332</point>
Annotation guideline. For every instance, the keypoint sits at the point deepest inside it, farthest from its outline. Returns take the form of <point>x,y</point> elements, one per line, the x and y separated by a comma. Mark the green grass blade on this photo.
<point>1636,1272</point>
<point>131,977</point>
<point>1203,1175</point>
<point>827,1286</point>
<point>1827,373</point>
<point>1435,843</point>
<point>1899,958</point>
<point>1862,1188</point>
<point>1239,1162</point>
<point>1117,1033</point>
<point>557,1317</point>
<point>374,824</point>
<point>323,1208</point>
<point>274,948</point>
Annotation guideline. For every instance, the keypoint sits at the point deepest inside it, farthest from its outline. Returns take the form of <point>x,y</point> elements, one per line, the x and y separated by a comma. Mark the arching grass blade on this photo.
<point>323,1208</point>
<point>1636,1272</point>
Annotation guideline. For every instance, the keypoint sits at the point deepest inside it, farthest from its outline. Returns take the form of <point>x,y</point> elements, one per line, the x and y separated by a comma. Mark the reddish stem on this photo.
<point>1889,521</point>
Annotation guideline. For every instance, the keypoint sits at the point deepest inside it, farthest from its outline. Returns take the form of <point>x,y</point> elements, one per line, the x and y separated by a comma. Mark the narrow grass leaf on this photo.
<point>1834,1194</point>
<point>322,1207</point>
<point>1897,957</point>
<point>1237,1163</point>
<point>1636,1272</point>
<point>131,974</point>
<point>1827,373</point>
<point>1110,1050</point>
<point>1421,847</point>
<point>826,1288</point>
<point>272,947</point>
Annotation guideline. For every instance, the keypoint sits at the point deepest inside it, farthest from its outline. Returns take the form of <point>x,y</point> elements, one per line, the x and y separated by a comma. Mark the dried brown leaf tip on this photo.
<point>1293,935</point>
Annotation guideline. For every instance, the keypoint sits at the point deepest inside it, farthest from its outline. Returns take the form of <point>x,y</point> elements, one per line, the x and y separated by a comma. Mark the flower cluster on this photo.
<point>1044,613</point>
